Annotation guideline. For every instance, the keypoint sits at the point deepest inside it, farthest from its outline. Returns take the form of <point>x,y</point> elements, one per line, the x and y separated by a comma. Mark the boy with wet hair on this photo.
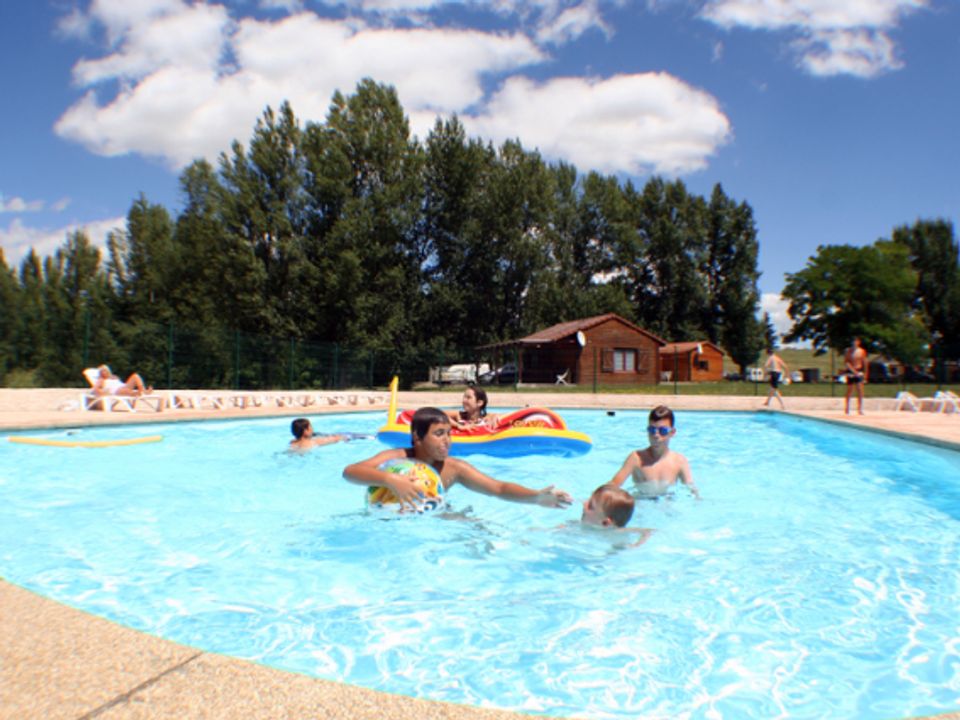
<point>657,468</point>
<point>608,506</point>
<point>430,444</point>
<point>304,439</point>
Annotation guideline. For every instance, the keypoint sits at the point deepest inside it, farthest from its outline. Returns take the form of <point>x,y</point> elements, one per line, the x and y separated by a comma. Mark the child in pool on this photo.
<point>304,439</point>
<point>656,468</point>
<point>608,506</point>
<point>474,412</point>
<point>430,438</point>
<point>612,507</point>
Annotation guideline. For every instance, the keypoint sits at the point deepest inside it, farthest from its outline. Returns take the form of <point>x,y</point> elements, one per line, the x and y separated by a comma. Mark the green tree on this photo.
<point>729,270</point>
<point>145,263</point>
<point>589,220</point>
<point>366,194</point>
<point>457,259</point>
<point>30,343</point>
<point>513,219</point>
<point>264,213</point>
<point>9,318</point>
<point>662,264</point>
<point>867,292</point>
<point>933,254</point>
<point>70,286</point>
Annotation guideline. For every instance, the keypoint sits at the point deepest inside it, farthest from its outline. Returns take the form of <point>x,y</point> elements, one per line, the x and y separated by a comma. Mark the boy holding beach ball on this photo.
<point>430,437</point>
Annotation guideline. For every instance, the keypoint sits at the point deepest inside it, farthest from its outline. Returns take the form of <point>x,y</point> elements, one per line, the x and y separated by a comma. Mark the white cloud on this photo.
<point>863,53</point>
<point>833,37</point>
<point>185,37</point>
<point>638,124</point>
<point>572,23</point>
<point>16,239</point>
<point>191,79</point>
<point>19,205</point>
<point>181,110</point>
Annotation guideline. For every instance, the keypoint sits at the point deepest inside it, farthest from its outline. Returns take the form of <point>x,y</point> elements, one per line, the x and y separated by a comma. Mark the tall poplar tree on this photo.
<point>9,318</point>
<point>370,197</point>
<point>263,210</point>
<point>729,270</point>
<point>457,258</point>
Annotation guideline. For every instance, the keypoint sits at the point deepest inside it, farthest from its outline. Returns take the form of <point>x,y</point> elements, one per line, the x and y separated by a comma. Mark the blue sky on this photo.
<point>834,119</point>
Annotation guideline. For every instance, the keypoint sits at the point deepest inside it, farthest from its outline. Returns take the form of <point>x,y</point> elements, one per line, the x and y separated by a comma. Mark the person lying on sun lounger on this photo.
<point>109,384</point>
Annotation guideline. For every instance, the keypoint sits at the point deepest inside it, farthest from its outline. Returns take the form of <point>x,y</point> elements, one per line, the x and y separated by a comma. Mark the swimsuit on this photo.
<point>774,379</point>
<point>111,385</point>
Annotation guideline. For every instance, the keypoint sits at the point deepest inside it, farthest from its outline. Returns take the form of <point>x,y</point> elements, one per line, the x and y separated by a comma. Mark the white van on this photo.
<point>458,374</point>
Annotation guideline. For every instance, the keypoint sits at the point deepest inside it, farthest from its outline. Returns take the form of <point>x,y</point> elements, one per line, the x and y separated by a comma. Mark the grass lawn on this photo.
<point>796,359</point>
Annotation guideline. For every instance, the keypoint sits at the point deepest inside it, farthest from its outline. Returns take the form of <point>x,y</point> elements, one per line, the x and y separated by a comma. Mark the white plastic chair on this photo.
<point>562,379</point>
<point>906,401</point>
<point>940,402</point>
<point>947,400</point>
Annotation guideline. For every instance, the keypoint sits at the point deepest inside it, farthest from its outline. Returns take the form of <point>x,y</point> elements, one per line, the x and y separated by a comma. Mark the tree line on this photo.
<point>352,231</point>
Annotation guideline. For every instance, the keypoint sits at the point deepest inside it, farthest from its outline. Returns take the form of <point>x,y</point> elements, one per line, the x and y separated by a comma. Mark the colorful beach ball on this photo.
<point>431,487</point>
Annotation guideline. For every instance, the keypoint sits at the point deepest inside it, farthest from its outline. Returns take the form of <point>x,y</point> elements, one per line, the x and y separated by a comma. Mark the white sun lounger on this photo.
<point>89,400</point>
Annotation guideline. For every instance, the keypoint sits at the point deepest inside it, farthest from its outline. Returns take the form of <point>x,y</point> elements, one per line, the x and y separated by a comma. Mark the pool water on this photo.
<point>818,577</point>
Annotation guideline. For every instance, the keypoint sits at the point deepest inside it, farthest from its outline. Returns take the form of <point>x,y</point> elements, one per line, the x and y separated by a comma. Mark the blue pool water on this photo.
<point>818,577</point>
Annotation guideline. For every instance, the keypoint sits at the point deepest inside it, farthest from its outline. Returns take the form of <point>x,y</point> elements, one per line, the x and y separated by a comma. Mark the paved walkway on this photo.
<point>57,662</point>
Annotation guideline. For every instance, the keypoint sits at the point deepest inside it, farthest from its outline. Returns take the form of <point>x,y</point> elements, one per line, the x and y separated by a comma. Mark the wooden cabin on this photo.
<point>696,361</point>
<point>604,349</point>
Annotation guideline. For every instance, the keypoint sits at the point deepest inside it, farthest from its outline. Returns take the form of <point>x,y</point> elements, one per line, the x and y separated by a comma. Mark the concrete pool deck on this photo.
<point>58,662</point>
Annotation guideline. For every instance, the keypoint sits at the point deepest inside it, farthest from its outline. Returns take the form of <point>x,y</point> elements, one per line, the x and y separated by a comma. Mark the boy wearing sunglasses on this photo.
<point>657,468</point>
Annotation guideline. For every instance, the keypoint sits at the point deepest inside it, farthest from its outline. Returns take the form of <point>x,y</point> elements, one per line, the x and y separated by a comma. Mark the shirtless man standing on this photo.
<point>858,371</point>
<point>657,468</point>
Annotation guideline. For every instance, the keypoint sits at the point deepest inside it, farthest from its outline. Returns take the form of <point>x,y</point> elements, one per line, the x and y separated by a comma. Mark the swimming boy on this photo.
<point>304,439</point>
<point>608,506</point>
<point>657,468</point>
<point>430,436</point>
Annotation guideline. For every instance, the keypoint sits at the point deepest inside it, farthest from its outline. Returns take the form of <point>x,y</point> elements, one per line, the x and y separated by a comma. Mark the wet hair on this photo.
<point>662,412</point>
<point>298,427</point>
<point>481,395</point>
<point>616,503</point>
<point>423,419</point>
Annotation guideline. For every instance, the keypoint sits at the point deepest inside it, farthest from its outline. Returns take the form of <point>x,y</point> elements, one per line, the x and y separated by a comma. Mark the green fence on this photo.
<point>166,356</point>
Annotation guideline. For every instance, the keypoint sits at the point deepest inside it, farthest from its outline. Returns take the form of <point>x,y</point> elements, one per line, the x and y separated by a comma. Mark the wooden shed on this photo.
<point>697,361</point>
<point>604,349</point>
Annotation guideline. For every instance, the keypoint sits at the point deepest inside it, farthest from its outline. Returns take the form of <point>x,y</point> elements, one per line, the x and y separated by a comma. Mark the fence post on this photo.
<point>336,366</point>
<point>86,327</point>
<point>290,371</point>
<point>596,372</point>
<point>170,355</point>
<point>236,359</point>
<point>675,358</point>
<point>833,383</point>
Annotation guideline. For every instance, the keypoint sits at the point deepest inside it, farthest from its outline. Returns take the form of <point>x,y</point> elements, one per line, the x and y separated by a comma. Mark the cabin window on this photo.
<point>703,364</point>
<point>624,361</point>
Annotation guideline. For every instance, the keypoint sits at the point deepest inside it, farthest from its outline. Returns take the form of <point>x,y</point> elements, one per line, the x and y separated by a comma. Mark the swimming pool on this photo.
<point>817,578</point>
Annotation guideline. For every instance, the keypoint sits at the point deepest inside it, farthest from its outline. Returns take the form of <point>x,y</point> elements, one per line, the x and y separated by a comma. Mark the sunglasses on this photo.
<point>662,431</point>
